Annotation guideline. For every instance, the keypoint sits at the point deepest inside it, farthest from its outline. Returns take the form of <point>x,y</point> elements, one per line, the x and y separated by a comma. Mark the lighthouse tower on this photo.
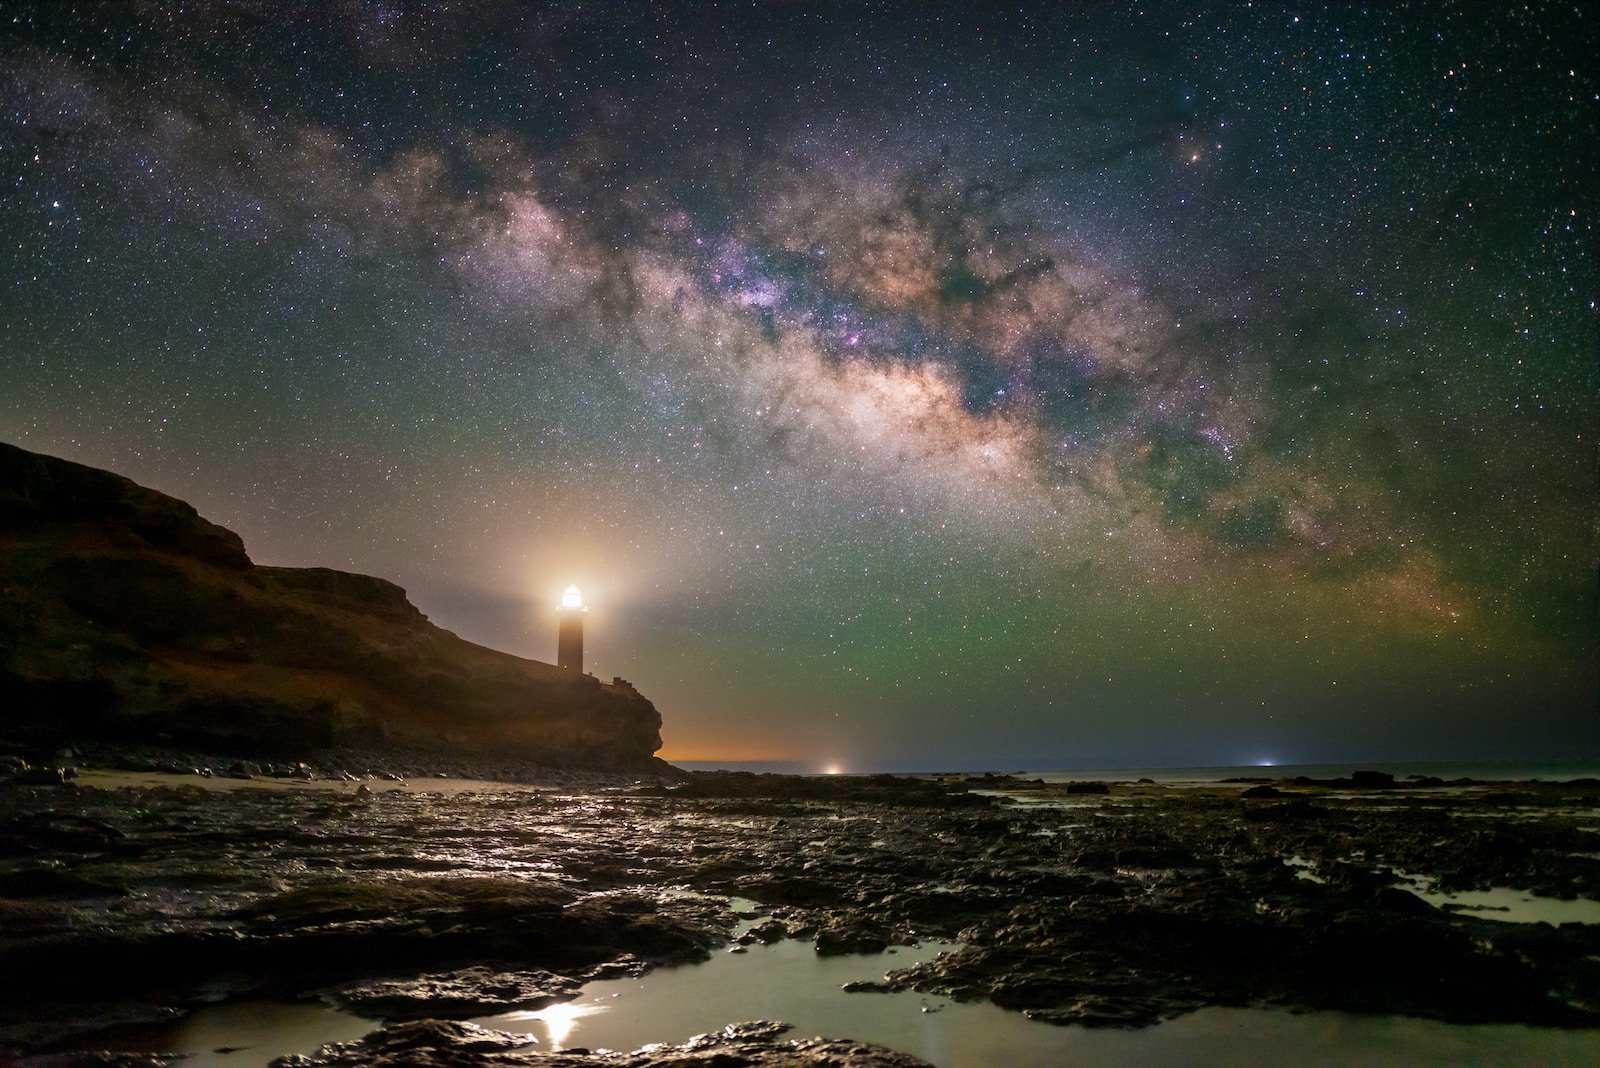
<point>569,638</point>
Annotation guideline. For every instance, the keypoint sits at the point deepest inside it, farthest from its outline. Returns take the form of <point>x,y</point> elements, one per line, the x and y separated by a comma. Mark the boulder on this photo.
<point>855,936</point>
<point>1372,780</point>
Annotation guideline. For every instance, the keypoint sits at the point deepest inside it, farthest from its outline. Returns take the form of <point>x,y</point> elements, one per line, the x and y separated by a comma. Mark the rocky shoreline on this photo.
<point>366,763</point>
<point>1121,907</point>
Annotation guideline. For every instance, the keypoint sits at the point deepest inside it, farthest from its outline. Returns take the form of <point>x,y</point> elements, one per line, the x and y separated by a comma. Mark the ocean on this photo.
<point>1549,771</point>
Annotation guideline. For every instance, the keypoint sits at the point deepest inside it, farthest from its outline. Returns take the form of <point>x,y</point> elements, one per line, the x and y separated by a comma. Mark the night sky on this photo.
<point>906,385</point>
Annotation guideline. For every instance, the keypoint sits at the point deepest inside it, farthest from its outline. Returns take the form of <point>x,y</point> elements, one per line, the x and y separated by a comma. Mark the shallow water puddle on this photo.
<point>1304,868</point>
<point>244,1034</point>
<point>789,982</point>
<point>1504,903</point>
<point>786,981</point>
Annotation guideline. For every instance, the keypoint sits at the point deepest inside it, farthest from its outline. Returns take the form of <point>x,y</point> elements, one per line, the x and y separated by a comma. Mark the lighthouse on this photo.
<point>569,638</point>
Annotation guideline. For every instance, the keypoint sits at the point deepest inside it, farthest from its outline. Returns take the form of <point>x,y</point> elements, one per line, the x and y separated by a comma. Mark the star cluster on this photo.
<point>905,384</point>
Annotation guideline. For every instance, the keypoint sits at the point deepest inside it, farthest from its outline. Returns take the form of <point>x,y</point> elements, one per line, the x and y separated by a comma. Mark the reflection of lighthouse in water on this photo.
<point>569,639</point>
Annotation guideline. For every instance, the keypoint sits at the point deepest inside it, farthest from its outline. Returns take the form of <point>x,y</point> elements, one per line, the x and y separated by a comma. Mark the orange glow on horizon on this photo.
<point>702,752</point>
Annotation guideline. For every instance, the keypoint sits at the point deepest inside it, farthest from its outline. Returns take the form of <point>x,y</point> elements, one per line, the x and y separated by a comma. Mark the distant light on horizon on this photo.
<point>833,769</point>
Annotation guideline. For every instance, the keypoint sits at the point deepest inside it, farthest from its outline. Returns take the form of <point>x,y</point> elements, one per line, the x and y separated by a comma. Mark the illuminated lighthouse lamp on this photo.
<point>569,637</point>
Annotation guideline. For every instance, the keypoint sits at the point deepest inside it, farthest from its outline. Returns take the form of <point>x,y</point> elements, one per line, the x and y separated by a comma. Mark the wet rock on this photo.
<point>56,882</point>
<point>1101,1012</point>
<point>432,1042</point>
<point>1356,878</point>
<point>794,890</point>
<point>1396,899</point>
<point>467,992</point>
<point>59,833</point>
<point>433,919</point>
<point>1264,790</point>
<point>766,933</point>
<point>1088,788</point>
<point>955,908</point>
<point>626,966</point>
<point>860,936</point>
<point>460,1045</point>
<point>1372,780</point>
<point>1155,856</point>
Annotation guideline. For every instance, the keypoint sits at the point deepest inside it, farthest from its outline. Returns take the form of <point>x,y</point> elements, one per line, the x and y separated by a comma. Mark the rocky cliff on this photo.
<point>124,615</point>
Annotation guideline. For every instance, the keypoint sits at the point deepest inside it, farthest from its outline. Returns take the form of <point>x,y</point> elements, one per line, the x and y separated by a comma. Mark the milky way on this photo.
<point>905,384</point>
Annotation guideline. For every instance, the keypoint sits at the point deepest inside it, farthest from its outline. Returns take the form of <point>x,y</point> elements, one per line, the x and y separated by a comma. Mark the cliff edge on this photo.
<point>126,616</point>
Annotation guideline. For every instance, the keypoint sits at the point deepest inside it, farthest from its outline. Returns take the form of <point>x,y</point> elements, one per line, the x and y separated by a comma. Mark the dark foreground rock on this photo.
<point>457,1045</point>
<point>1120,909</point>
<point>429,945</point>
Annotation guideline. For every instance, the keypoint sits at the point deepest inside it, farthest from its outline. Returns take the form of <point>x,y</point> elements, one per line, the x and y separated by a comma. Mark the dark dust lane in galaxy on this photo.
<point>904,384</point>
